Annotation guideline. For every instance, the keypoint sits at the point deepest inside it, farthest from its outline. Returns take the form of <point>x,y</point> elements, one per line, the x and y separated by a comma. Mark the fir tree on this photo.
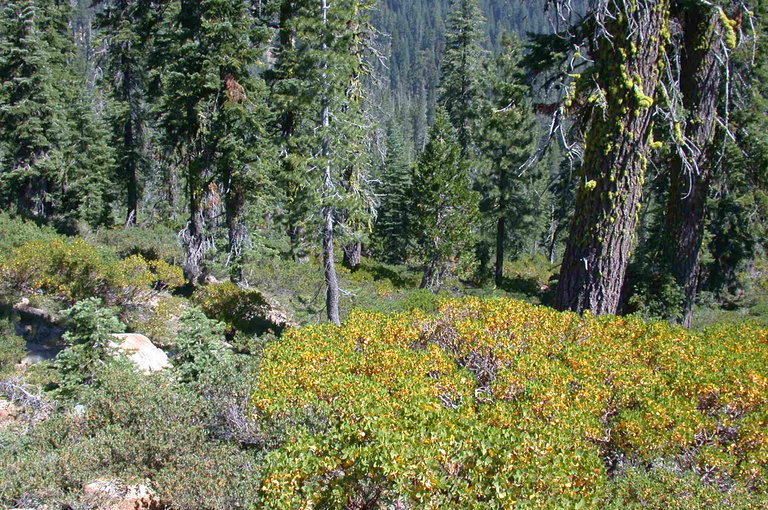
<point>444,207</point>
<point>392,225</point>
<point>506,142</point>
<point>128,30</point>
<point>319,80</point>
<point>213,119</point>
<point>461,69</point>
<point>33,50</point>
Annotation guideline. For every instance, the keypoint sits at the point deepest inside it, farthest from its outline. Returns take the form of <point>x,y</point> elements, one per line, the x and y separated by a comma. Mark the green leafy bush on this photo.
<point>152,243</point>
<point>244,310</point>
<point>139,429</point>
<point>90,344</point>
<point>16,232</point>
<point>11,348</point>
<point>74,270</point>
<point>500,404</point>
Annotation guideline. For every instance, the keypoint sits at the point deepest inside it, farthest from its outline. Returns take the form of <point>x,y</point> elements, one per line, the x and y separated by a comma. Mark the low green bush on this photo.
<point>152,243</point>
<point>72,270</point>
<point>496,403</point>
<point>138,429</point>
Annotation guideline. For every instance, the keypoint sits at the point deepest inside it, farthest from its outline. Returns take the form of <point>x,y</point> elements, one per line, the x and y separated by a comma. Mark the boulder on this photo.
<point>142,352</point>
<point>115,495</point>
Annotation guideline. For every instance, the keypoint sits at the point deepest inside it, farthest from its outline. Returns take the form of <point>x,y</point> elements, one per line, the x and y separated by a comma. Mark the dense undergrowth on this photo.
<point>420,400</point>
<point>501,404</point>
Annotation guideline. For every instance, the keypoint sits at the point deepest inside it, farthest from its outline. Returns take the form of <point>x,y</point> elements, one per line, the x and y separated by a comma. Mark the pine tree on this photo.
<point>319,81</point>
<point>213,119</point>
<point>444,207</point>
<point>617,93</point>
<point>701,76</point>
<point>55,161</point>
<point>128,31</point>
<point>86,192</point>
<point>33,74</point>
<point>392,225</point>
<point>461,69</point>
<point>506,142</point>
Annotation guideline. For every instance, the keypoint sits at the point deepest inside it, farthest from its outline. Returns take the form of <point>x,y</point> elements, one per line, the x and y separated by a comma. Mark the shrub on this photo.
<point>139,429</point>
<point>244,310</point>
<point>151,243</point>
<point>199,345</point>
<point>16,232</point>
<point>74,270</point>
<point>11,348</point>
<point>90,344</point>
<point>498,403</point>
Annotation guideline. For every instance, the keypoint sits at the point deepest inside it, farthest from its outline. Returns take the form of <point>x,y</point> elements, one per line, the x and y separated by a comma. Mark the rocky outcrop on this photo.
<point>142,352</point>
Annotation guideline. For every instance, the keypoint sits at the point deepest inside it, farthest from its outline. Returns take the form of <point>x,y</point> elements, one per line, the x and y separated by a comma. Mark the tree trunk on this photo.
<point>700,81</point>
<point>237,232</point>
<point>129,148</point>
<point>352,254</point>
<point>501,234</point>
<point>616,152</point>
<point>331,279</point>
<point>329,263</point>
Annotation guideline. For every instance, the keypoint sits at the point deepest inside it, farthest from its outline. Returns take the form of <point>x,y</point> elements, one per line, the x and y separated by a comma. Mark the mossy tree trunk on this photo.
<point>701,79</point>
<point>627,55</point>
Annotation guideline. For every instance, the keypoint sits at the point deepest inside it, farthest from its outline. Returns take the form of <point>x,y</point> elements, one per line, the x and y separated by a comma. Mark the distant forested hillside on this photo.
<point>413,39</point>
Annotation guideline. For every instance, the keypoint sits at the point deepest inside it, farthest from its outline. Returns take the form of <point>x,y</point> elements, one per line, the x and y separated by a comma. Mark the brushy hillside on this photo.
<point>502,404</point>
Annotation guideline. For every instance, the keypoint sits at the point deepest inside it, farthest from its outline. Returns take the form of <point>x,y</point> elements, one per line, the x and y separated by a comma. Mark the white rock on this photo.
<point>142,352</point>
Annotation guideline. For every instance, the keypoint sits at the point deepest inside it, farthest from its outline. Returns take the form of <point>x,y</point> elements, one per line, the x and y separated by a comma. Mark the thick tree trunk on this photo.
<point>501,234</point>
<point>700,81</point>
<point>352,254</point>
<point>617,147</point>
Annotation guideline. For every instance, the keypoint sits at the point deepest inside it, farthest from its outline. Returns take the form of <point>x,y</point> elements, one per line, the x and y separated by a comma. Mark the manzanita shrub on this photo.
<point>501,404</point>
<point>73,270</point>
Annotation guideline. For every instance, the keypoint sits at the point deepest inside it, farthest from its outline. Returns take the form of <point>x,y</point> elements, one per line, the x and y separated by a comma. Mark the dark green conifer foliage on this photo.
<point>319,82</point>
<point>392,231</point>
<point>213,120</point>
<point>86,189</point>
<point>444,207</point>
<point>460,88</point>
<point>507,134</point>
<point>127,29</point>
<point>32,121</point>
<point>55,161</point>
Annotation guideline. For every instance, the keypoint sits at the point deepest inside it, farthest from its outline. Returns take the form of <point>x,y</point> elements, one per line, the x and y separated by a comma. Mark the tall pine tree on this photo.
<point>444,207</point>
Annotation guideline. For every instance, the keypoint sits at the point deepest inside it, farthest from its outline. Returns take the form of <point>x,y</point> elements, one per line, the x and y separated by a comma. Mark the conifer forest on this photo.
<point>383,254</point>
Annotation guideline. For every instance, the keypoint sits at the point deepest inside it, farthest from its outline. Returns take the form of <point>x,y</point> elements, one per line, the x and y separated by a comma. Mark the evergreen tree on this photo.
<point>128,30</point>
<point>392,225</point>
<point>444,207</point>
<point>617,93</point>
<point>33,74</point>
<point>55,161</point>
<point>86,180</point>
<point>461,70</point>
<point>506,141</point>
<point>213,119</point>
<point>319,82</point>
<point>701,74</point>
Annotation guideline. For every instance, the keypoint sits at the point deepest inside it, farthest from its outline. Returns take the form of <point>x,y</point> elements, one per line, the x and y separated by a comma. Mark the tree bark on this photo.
<point>237,232</point>
<point>617,147</point>
<point>329,263</point>
<point>501,234</point>
<point>701,78</point>
<point>352,254</point>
